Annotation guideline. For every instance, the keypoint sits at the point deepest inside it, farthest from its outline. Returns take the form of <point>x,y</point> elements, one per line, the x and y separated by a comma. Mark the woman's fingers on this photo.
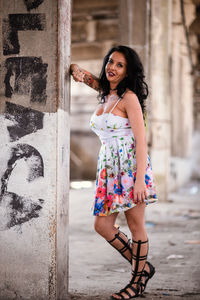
<point>137,197</point>
<point>145,194</point>
<point>140,197</point>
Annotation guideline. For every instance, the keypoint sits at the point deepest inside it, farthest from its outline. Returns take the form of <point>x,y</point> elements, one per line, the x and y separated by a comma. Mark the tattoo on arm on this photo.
<point>91,80</point>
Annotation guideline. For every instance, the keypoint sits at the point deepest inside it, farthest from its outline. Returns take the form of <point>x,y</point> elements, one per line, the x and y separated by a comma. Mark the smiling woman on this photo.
<point>124,180</point>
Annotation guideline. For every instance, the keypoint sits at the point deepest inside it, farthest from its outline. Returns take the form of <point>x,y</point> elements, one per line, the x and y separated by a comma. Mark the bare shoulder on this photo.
<point>129,95</point>
<point>130,100</point>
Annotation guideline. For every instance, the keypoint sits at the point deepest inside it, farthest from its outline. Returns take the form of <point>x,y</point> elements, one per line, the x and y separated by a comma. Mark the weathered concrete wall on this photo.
<point>134,27</point>
<point>182,96</point>
<point>34,148</point>
<point>160,117</point>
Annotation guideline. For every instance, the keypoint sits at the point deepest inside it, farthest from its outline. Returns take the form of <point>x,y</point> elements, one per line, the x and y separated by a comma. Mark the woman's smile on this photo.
<point>111,74</point>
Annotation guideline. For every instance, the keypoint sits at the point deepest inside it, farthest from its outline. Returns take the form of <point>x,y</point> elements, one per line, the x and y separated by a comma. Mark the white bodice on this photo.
<point>108,125</point>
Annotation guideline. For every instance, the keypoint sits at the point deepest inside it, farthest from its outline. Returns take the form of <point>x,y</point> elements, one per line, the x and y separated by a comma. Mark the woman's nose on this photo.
<point>113,67</point>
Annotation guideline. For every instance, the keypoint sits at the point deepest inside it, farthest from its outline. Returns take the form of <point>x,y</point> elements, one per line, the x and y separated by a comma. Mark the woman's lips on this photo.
<point>111,74</point>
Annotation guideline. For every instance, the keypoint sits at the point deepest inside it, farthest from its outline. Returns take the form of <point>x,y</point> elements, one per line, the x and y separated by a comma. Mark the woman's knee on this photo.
<point>136,226</point>
<point>104,227</point>
<point>98,226</point>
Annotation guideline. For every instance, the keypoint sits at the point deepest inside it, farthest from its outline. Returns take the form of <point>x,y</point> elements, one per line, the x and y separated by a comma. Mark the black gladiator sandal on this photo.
<point>136,273</point>
<point>126,243</point>
<point>127,246</point>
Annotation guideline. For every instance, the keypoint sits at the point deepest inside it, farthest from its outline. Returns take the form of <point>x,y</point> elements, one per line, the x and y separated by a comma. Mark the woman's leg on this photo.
<point>105,226</point>
<point>136,222</point>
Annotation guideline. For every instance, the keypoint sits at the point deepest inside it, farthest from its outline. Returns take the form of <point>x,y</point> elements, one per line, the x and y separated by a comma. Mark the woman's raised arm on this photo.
<point>81,75</point>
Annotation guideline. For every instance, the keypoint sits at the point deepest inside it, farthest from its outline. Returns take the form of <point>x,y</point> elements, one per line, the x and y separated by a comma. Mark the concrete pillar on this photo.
<point>145,26</point>
<point>34,148</point>
<point>160,117</point>
<point>134,27</point>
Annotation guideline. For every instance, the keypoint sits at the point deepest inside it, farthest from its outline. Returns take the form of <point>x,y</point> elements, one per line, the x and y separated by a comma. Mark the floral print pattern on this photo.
<point>116,167</point>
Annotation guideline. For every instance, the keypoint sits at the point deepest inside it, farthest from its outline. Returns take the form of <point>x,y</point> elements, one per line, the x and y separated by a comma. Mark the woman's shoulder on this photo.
<point>129,95</point>
<point>130,101</point>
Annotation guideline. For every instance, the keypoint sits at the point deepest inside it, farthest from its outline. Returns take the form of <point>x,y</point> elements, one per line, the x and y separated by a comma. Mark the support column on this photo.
<point>34,148</point>
<point>134,27</point>
<point>63,146</point>
<point>160,119</point>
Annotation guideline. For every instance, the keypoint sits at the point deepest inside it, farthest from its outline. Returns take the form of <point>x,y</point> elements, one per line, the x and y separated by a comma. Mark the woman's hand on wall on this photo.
<point>77,73</point>
<point>81,75</point>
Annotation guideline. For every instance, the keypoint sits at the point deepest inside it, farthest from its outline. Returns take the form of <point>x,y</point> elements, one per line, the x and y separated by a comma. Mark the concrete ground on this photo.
<point>97,270</point>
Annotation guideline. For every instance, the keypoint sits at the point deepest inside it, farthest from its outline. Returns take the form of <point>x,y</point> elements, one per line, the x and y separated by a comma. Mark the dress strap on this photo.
<point>116,103</point>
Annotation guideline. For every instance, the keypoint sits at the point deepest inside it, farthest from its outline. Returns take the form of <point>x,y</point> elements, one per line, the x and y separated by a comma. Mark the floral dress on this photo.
<point>116,167</point>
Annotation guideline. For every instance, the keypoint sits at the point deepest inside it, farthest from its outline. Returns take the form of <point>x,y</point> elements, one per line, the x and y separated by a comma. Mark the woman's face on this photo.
<point>116,68</point>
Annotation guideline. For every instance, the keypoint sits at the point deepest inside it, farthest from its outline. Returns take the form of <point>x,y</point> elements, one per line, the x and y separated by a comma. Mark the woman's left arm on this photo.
<point>135,116</point>
<point>82,75</point>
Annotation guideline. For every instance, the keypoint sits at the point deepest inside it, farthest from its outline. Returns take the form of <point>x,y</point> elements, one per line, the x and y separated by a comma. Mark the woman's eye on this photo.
<point>120,65</point>
<point>110,61</point>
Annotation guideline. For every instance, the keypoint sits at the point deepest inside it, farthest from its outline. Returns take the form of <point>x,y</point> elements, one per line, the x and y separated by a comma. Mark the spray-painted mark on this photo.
<point>30,77</point>
<point>15,209</point>
<point>18,210</point>
<point>16,22</point>
<point>25,120</point>
<point>23,151</point>
<point>30,4</point>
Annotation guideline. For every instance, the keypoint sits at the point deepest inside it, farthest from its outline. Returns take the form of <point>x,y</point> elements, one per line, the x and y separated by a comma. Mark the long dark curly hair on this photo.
<point>134,79</point>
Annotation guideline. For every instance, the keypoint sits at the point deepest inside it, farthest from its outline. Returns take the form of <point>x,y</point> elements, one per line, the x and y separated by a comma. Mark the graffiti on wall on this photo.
<point>24,75</point>
<point>26,120</point>
<point>30,77</point>
<point>19,22</point>
<point>31,4</point>
<point>20,209</point>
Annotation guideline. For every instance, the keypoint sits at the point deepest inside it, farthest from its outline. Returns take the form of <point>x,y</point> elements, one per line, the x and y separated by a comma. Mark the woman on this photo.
<point>124,175</point>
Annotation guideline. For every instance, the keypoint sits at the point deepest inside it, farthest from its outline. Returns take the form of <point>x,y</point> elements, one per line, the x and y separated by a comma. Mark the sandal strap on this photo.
<point>127,293</point>
<point>140,242</point>
<point>138,258</point>
<point>136,273</point>
<point>126,244</point>
<point>147,275</point>
<point>118,294</point>
<point>132,288</point>
<point>151,269</point>
<point>129,286</point>
<point>117,236</point>
<point>143,257</point>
